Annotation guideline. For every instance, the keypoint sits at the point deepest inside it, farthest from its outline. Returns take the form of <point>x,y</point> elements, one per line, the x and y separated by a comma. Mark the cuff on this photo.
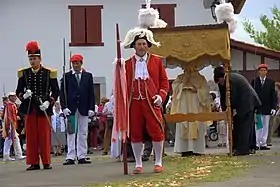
<point>20,97</point>
<point>162,94</point>
<point>51,100</point>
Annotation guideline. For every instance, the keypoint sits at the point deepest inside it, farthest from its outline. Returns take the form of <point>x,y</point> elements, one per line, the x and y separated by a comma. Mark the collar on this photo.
<point>73,71</point>
<point>262,78</point>
<point>35,71</point>
<point>145,57</point>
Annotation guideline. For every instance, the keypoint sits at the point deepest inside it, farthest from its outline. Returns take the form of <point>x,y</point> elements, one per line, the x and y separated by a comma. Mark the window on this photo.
<point>86,25</point>
<point>166,12</point>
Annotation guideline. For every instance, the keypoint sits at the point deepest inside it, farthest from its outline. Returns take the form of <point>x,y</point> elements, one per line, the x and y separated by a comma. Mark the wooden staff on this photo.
<point>67,120</point>
<point>51,127</point>
<point>229,115</point>
<point>119,56</point>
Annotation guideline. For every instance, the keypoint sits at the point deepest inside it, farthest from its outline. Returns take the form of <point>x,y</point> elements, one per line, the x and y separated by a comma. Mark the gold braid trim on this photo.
<point>53,73</point>
<point>20,72</point>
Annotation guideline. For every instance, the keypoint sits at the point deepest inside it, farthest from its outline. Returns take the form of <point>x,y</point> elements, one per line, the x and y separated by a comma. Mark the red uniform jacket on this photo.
<point>10,118</point>
<point>156,84</point>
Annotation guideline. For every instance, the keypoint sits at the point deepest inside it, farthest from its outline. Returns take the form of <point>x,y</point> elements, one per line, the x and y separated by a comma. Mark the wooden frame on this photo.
<point>186,44</point>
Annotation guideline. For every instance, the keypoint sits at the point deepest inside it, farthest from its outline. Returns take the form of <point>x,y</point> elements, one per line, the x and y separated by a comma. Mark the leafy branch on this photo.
<point>270,37</point>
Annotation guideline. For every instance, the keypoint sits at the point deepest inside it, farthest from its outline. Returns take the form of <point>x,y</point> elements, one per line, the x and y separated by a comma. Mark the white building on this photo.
<point>89,27</point>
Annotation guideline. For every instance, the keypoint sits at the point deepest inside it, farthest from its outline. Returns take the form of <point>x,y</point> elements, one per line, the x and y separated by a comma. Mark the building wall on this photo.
<point>48,22</point>
<point>236,60</point>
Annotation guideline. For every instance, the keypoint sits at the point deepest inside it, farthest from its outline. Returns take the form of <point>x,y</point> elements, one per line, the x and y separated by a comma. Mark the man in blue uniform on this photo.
<point>78,103</point>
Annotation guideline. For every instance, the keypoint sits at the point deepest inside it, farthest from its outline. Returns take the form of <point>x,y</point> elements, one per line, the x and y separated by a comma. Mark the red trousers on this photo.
<point>141,117</point>
<point>94,137</point>
<point>38,142</point>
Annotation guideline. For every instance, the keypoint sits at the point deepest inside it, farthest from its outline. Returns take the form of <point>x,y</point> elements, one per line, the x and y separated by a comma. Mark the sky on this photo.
<point>252,11</point>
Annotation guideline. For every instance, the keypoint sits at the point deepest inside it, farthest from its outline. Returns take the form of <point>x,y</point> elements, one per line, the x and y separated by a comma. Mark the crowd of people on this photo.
<point>65,119</point>
<point>96,127</point>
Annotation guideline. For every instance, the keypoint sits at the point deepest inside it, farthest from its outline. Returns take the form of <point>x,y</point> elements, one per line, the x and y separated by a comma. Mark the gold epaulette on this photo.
<point>53,72</point>
<point>20,72</point>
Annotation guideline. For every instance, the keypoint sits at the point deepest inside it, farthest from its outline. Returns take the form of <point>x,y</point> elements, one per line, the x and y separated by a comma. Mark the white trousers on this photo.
<point>261,134</point>
<point>81,127</point>
<point>7,146</point>
<point>116,148</point>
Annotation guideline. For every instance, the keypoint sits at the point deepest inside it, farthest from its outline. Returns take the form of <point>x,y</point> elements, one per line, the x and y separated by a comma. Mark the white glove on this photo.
<point>27,94</point>
<point>45,105</point>
<point>272,112</point>
<point>66,112</point>
<point>234,112</point>
<point>90,113</point>
<point>157,100</point>
<point>89,120</point>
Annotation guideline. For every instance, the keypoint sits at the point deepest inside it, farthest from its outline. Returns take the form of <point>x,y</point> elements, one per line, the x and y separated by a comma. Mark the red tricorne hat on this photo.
<point>33,49</point>
<point>76,57</point>
<point>262,66</point>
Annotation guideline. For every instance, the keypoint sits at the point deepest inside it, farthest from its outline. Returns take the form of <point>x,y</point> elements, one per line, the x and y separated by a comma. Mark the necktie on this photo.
<point>262,82</point>
<point>78,77</point>
<point>141,60</point>
<point>57,122</point>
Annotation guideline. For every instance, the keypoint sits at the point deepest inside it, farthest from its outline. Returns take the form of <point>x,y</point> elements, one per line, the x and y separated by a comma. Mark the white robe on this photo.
<point>191,96</point>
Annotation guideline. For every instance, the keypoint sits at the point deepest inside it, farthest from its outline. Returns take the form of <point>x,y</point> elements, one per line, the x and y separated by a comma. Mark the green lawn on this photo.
<point>181,172</point>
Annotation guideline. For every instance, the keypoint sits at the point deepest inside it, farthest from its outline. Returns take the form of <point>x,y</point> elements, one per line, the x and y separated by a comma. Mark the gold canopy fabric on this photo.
<point>180,45</point>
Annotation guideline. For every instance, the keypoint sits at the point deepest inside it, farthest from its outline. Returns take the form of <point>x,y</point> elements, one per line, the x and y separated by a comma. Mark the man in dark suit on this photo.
<point>265,89</point>
<point>244,100</point>
<point>78,103</point>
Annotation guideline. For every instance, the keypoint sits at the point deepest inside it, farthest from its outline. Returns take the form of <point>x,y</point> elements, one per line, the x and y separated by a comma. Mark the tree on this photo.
<point>271,36</point>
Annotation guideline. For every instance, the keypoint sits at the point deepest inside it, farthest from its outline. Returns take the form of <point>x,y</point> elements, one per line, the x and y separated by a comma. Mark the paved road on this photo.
<point>261,176</point>
<point>103,169</point>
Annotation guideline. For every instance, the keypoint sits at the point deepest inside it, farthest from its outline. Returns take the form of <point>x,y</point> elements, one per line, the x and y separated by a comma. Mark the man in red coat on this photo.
<point>147,87</point>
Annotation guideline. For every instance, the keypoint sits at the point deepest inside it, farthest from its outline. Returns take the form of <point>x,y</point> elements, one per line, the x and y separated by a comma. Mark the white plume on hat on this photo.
<point>225,13</point>
<point>141,32</point>
<point>147,18</point>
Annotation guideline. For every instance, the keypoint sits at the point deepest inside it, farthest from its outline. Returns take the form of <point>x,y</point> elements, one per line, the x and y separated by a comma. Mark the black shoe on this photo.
<point>47,166</point>
<point>69,162</point>
<point>84,161</point>
<point>198,154</point>
<point>264,148</point>
<point>252,151</point>
<point>33,167</point>
<point>269,144</point>
<point>145,158</point>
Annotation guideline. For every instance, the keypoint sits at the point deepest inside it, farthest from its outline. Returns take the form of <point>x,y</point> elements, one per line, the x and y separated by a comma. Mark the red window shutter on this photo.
<point>77,16</point>
<point>166,12</point>
<point>94,25</point>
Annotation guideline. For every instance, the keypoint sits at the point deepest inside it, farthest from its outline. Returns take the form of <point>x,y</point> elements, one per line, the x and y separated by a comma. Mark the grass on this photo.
<point>182,172</point>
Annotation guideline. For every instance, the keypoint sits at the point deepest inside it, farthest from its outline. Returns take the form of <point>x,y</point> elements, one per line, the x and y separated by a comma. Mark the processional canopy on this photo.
<point>192,45</point>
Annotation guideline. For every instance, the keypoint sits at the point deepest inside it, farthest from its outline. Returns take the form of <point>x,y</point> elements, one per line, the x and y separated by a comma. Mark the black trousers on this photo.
<point>129,149</point>
<point>244,134</point>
